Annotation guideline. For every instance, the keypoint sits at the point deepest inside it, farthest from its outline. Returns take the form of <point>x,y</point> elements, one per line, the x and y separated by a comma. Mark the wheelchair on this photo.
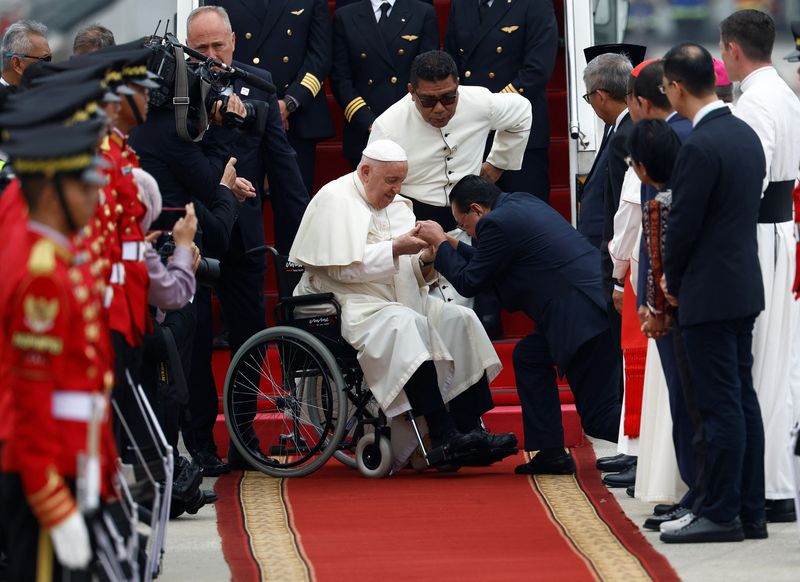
<point>295,394</point>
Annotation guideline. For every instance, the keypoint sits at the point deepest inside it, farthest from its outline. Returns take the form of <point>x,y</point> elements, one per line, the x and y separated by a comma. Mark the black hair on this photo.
<point>725,93</point>
<point>647,85</point>
<point>92,38</point>
<point>474,190</point>
<point>753,31</point>
<point>692,66</point>
<point>654,144</point>
<point>433,66</point>
<point>32,186</point>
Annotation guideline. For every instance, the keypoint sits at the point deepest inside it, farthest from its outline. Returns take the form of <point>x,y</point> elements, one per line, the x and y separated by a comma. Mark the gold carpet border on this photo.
<point>589,534</point>
<point>266,521</point>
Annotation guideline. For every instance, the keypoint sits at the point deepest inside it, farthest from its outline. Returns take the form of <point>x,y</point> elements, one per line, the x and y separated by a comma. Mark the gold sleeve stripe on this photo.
<point>509,89</point>
<point>311,83</point>
<point>352,107</point>
<point>53,483</point>
<point>57,515</point>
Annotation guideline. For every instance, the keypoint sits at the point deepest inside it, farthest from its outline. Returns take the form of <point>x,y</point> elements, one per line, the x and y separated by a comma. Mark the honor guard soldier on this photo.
<point>374,43</point>
<point>510,46</point>
<point>293,42</point>
<point>59,459</point>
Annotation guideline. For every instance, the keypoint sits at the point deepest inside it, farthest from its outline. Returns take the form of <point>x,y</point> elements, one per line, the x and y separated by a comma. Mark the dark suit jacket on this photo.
<point>711,253</point>
<point>615,174</point>
<point>590,195</point>
<point>292,40</point>
<point>513,49</point>
<point>683,128</point>
<point>268,153</point>
<point>536,262</point>
<point>343,3</point>
<point>370,72</point>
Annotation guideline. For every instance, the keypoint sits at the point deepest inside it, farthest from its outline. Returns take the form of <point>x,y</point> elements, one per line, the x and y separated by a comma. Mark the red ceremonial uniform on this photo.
<point>128,312</point>
<point>55,364</point>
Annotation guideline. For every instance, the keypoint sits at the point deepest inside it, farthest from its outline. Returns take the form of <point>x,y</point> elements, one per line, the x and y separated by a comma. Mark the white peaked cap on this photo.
<point>385,150</point>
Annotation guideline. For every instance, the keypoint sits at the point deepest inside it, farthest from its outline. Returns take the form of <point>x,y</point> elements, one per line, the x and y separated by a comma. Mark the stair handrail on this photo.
<point>572,76</point>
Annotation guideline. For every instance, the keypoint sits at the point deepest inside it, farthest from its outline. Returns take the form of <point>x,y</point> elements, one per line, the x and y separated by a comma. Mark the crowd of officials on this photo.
<point>122,210</point>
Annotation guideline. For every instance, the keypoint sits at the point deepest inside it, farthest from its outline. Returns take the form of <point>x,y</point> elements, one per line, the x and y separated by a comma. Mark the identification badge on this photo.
<point>245,91</point>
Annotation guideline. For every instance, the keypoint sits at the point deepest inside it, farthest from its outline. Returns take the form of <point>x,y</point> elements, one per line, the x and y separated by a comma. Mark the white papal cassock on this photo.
<point>387,314</point>
<point>772,109</point>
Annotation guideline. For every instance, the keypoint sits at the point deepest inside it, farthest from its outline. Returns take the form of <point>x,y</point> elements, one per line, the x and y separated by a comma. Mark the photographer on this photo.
<point>262,150</point>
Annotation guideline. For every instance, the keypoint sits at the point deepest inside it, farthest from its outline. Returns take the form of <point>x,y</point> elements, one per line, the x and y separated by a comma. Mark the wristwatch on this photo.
<point>291,103</point>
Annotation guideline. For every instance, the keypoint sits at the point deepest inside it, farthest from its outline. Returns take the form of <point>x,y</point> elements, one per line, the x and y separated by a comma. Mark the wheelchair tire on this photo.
<point>275,378</point>
<point>374,461</point>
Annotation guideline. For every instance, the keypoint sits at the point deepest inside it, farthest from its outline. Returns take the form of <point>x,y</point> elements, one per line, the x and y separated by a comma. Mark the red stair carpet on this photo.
<point>476,525</point>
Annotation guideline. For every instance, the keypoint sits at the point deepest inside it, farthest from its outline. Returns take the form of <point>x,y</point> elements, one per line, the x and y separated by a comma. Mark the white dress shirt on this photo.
<point>376,7</point>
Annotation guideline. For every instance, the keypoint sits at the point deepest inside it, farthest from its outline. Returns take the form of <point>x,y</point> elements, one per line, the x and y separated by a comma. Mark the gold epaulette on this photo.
<point>42,260</point>
<point>105,145</point>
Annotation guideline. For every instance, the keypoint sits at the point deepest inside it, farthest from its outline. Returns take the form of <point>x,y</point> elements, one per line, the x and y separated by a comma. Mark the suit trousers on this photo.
<point>533,177</point>
<point>593,376</point>
<point>720,360</point>
<point>127,359</point>
<point>306,150</point>
<point>683,425</point>
<point>203,400</point>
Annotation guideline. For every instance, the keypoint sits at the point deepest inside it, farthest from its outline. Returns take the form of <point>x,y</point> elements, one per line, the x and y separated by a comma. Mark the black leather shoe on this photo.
<point>561,465</point>
<point>623,479</point>
<point>780,510</point>
<point>211,464</point>
<point>703,530</point>
<point>502,440</point>
<point>238,463</point>
<point>662,508</point>
<point>631,491</point>
<point>755,530</point>
<point>615,464</point>
<point>456,445</point>
<point>654,523</point>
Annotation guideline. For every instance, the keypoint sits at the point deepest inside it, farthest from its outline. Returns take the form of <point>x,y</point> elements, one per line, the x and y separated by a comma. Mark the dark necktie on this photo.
<point>483,8</point>
<point>384,19</point>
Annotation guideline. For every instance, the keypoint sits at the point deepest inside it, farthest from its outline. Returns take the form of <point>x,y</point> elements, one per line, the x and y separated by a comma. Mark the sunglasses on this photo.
<point>430,101</point>
<point>46,58</point>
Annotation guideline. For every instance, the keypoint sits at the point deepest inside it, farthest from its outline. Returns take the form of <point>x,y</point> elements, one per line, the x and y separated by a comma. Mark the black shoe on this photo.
<point>631,491</point>
<point>205,497</point>
<point>500,441</point>
<point>703,530</point>
<point>561,465</point>
<point>221,341</point>
<point>237,462</point>
<point>780,510</point>
<point>755,530</point>
<point>624,479</point>
<point>615,464</point>
<point>662,508</point>
<point>456,445</point>
<point>211,464</point>
<point>654,523</point>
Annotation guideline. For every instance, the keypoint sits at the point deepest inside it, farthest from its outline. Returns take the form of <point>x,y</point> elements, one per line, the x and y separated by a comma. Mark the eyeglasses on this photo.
<point>460,222</point>
<point>46,58</point>
<point>663,88</point>
<point>430,101</point>
<point>587,95</point>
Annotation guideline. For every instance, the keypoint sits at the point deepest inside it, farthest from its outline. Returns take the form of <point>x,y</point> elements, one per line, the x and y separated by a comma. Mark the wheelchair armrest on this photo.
<point>295,300</point>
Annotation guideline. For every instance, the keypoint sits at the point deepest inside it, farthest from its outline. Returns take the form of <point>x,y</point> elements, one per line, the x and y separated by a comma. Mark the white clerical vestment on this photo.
<point>439,158</point>
<point>772,109</point>
<point>387,314</point>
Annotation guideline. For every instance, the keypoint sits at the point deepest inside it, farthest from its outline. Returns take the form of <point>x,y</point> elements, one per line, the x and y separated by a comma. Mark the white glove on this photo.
<point>71,542</point>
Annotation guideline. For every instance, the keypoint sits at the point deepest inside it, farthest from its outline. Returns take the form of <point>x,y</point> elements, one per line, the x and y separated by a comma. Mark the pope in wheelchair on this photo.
<point>420,356</point>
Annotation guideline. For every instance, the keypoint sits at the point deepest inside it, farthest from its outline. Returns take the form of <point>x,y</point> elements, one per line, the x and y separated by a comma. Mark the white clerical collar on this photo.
<point>706,109</point>
<point>753,77</point>
<point>376,7</point>
<point>360,187</point>
<point>620,117</point>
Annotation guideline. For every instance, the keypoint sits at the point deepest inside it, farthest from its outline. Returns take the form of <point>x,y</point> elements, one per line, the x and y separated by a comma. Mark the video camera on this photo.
<point>208,271</point>
<point>192,87</point>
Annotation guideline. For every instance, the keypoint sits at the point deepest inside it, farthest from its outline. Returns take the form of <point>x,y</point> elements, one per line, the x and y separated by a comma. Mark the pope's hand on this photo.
<point>408,244</point>
<point>71,542</point>
<point>431,232</point>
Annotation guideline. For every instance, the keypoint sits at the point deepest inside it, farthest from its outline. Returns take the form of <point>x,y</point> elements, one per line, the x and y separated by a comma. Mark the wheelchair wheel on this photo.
<point>283,397</point>
<point>346,451</point>
<point>374,460</point>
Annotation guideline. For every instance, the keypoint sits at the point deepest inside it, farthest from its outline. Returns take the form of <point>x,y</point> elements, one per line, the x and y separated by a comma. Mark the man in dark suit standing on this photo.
<point>374,43</point>
<point>536,262</point>
<point>293,42</point>
<point>712,274</point>
<point>259,154</point>
<point>510,47</point>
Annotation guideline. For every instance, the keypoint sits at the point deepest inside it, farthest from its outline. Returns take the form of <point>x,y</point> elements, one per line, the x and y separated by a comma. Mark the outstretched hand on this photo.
<point>408,244</point>
<point>431,232</point>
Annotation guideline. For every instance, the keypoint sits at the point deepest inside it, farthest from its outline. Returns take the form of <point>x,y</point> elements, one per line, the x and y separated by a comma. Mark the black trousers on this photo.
<point>127,358</point>
<point>306,150</point>
<point>672,353</point>
<point>593,375</point>
<point>533,177</point>
<point>720,361</point>
<point>29,548</point>
<point>203,400</point>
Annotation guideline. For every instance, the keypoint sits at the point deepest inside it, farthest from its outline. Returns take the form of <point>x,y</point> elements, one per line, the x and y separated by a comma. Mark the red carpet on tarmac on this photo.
<point>478,524</point>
